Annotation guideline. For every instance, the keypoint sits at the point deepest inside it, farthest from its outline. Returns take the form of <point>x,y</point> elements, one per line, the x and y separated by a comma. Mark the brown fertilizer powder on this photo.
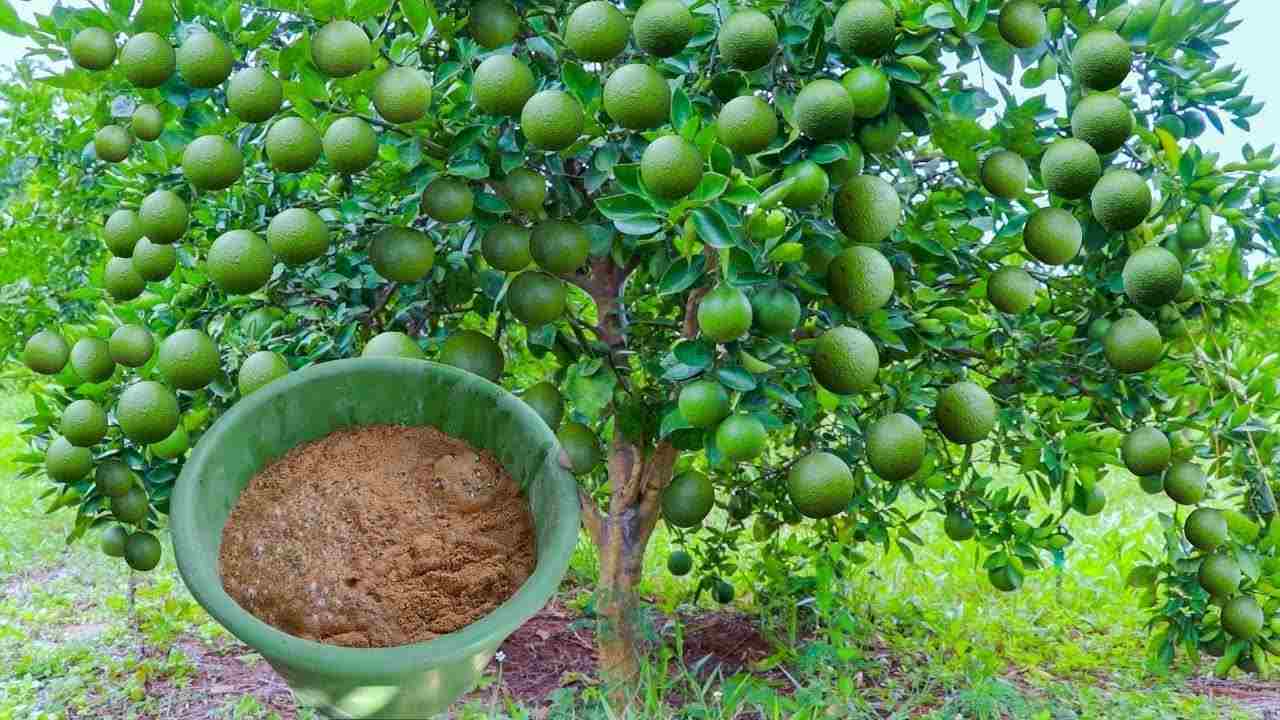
<point>377,536</point>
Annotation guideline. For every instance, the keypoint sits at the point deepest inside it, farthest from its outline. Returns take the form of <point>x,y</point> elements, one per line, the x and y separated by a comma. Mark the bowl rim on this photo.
<point>205,584</point>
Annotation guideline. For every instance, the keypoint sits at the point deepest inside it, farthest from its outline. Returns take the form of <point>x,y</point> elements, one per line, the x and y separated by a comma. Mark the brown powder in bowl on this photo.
<point>377,536</point>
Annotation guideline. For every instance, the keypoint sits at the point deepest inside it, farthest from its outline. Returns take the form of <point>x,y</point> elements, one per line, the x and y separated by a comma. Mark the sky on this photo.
<point>1247,47</point>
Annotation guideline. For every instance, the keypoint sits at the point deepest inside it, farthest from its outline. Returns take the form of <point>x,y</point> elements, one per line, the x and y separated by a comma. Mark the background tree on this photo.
<point>783,258</point>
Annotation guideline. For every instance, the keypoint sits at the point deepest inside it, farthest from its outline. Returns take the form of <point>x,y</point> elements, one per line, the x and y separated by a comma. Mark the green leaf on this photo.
<point>712,229</point>
<point>938,16</point>
<point>681,275</point>
<point>10,22</point>
<point>681,108</point>
<point>735,378</point>
<point>415,13</point>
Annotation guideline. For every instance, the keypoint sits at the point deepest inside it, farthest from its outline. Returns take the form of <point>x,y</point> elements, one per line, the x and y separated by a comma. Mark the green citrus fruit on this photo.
<point>740,437</point>
<point>824,110</point>
<point>1186,484</point>
<point>142,551</point>
<point>147,412</point>
<point>663,28</point>
<point>865,27</point>
<point>254,95</point>
<point>688,499</point>
<point>747,124</point>
<point>148,60</point>
<point>1102,120</point>
<point>502,85</point>
<point>867,209</point>
<point>559,247</point>
<point>1189,291</point>
<point>153,261</point>
<point>671,167</point>
<point>1004,174</point>
<point>113,478</point>
<point>402,94</point>
<point>1012,290</point>
<point>204,61</point>
<point>552,120</point>
<point>869,88</point>
<point>131,345</point>
<point>723,592</point>
<point>842,170</point>
<point>1121,200</point>
<point>860,280</point>
<point>1090,501</point>
<point>393,344</point>
<point>596,31</point>
<point>1132,344</point>
<point>1053,236</point>
<point>895,447</point>
<point>211,162</point>
<point>958,526</point>
<point>46,352</point>
<point>1022,24</point>
<point>297,236</point>
<point>810,187</point>
<point>581,446</point>
<point>163,216</point>
<point>121,280</point>
<point>292,145</point>
<point>845,360</point>
<point>131,507</point>
<point>147,122</point>
<point>724,314</point>
<point>474,352</point>
<point>174,446</point>
<point>1070,168</point>
<point>84,423</point>
<point>775,311</point>
<point>111,143</point>
<point>679,562</point>
<point>493,23</point>
<point>93,49</point>
<point>767,225</point>
<point>1004,578</point>
<point>506,247</point>
<point>1242,618</point>
<point>448,200</point>
<point>820,485</point>
<point>350,145</point>
<point>703,403</point>
<point>1152,276</point>
<point>91,359</point>
<point>637,97</point>
<point>1195,231</point>
<point>1101,59</point>
<point>402,254</point>
<point>1146,451</point>
<point>239,262</point>
<point>965,413</point>
<point>341,49</point>
<point>546,400</point>
<point>748,39</point>
<point>122,231</point>
<point>525,190</point>
<point>188,360</point>
<point>259,369</point>
<point>113,540</point>
<point>1219,575</point>
<point>65,462</point>
<point>880,135</point>
<point>1151,484</point>
<point>536,298</point>
<point>1098,329</point>
<point>1206,528</point>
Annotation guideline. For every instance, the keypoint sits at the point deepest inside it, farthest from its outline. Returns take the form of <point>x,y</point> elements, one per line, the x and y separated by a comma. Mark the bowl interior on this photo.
<point>311,403</point>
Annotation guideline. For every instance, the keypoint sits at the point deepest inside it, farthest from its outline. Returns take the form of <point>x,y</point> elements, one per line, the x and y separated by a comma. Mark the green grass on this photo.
<point>928,639</point>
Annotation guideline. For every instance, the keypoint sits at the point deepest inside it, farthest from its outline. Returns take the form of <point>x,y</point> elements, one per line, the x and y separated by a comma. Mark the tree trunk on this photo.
<point>621,535</point>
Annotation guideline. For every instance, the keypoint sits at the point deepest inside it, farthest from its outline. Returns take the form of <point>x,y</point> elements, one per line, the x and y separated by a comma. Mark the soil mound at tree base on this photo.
<point>377,536</point>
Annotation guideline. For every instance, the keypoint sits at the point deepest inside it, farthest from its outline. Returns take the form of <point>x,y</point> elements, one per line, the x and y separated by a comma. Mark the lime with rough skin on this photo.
<point>581,446</point>
<point>1102,120</point>
<point>131,345</point>
<point>820,485</point>
<point>748,40</point>
<point>84,423</point>
<point>148,60</point>
<point>292,145</point>
<point>663,28</point>
<point>880,135</point>
<point>688,499</point>
<point>64,462</point>
<point>1022,24</point>
<point>1186,484</point>
<point>1146,451</point>
<point>637,97</point>
<point>1053,236</point>
<point>297,236</point>
<point>1132,344</point>
<point>153,261</point>
<point>1012,290</point>
<point>845,361</point>
<point>869,88</point>
<point>865,27</point>
<point>775,311</point>
<point>259,369</point>
<point>188,360</point>
<point>1242,618</point>
<point>536,298</point>
<point>525,190</point>
<point>350,145</point>
<point>112,143</point>
<point>91,360</point>
<point>239,262</point>
<point>1205,528</point>
<point>747,124</point>
<point>212,162</point>
<point>493,23</point>
<point>93,49</point>
<point>671,167</point>
<point>824,111</point>
<point>741,437</point>
<point>724,314</point>
<point>502,84</point>
<point>1152,276</point>
<point>965,413</point>
<point>867,209</point>
<point>704,403</point>
<point>254,95</point>
<point>393,344</point>
<point>147,122</point>
<point>163,216</point>
<point>147,412</point>
<point>204,61</point>
<point>552,120</point>
<point>1004,174</point>
<point>474,352</point>
<point>142,551</point>
<point>596,31</point>
<point>860,280</point>
<point>46,352</point>
<point>546,400</point>
<point>402,254</point>
<point>895,447</point>
<point>448,200</point>
<point>131,507</point>
<point>122,231</point>
<point>1070,168</point>
<point>113,478</point>
<point>558,246</point>
<point>341,49</point>
<point>402,94</point>
<point>121,280</point>
<point>810,186</point>
<point>1101,59</point>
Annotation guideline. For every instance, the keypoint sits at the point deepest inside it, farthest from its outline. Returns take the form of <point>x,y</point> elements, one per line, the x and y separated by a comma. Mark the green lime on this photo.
<point>131,345</point>
<point>121,280</point>
<point>393,344</point>
<point>724,314</point>
<point>820,485</point>
<point>581,447</point>
<point>1022,24</point>
<point>46,352</point>
<point>1152,276</point>
<point>1146,451</point>
<point>147,412</point>
<point>1004,174</point>
<point>122,231</point>
<point>148,60</point>
<point>810,187</point>
<point>637,97</point>
<point>297,236</point>
<point>1186,484</point>
<point>64,462</point>
<point>402,94</point>
<point>93,49</point>
<point>679,562</point>
<point>1206,528</point>
<point>174,446</point>
<point>688,499</point>
<point>254,95</point>
<point>775,311</point>
<point>239,262</point>
<point>91,359</point>
<point>747,124</point>
<point>350,145</point>
<point>525,190</point>
<point>1101,59</point>
<point>84,423</point>
<point>131,507</point>
<point>142,551</point>
<point>402,254</point>
<point>1070,168</point>
<point>188,360</point>
<point>552,120</point>
<point>703,403</point>
<point>596,31</point>
<point>865,27</point>
<point>965,413</point>
<point>1102,120</point>
<point>1053,236</point>
<point>663,28</point>
<point>895,447</point>
<point>204,61</point>
<point>341,49</point>
<point>867,209</point>
<point>1132,344</point>
<point>1005,578</point>
<point>671,167</point>
<point>1242,618</point>
<point>502,84</point>
<point>474,352</point>
<point>506,247</point>
<point>860,280</point>
<point>824,111</point>
<point>536,298</point>
<point>147,122</point>
<point>111,143</point>
<point>869,88</point>
<point>493,23</point>
<point>559,247</point>
<point>546,400</point>
<point>113,478</point>
<point>212,162</point>
<point>113,540</point>
<point>845,360</point>
<point>448,200</point>
<point>1012,290</point>
<point>163,216</point>
<point>748,40</point>
<point>958,526</point>
<point>153,261</point>
<point>292,144</point>
<point>741,437</point>
<point>259,369</point>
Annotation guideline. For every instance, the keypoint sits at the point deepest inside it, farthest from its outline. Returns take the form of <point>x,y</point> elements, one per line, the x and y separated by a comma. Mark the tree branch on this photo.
<point>592,518</point>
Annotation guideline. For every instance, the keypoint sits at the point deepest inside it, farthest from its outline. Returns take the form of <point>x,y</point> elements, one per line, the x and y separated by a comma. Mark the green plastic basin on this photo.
<point>408,681</point>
